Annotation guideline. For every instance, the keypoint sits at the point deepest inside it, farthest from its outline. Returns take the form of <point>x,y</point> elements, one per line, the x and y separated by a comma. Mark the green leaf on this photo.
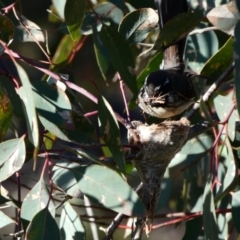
<point>74,13</point>
<point>110,131</point>
<point>197,145</point>
<point>218,63</point>
<point>236,210</point>
<point>63,52</point>
<point>120,55</point>
<point>209,215</point>
<point>64,178</point>
<point>5,220</point>
<point>177,28</point>
<point>108,188</point>
<point>26,95</point>
<point>237,64</point>
<point>105,11</point>
<point>5,112</point>
<point>101,54</point>
<point>53,105</point>
<point>230,171</point>
<point>13,155</point>
<point>13,96</point>
<point>43,227</point>
<point>70,225</point>
<point>54,109</point>
<point>136,25</point>
<point>200,47</point>
<point>7,28</point>
<point>36,200</point>
<point>223,104</point>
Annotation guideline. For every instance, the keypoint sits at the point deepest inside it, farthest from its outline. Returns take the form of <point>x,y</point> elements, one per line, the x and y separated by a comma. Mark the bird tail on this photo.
<point>173,55</point>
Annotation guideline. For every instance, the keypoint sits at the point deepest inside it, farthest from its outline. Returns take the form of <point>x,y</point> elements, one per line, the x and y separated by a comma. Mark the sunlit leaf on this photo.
<point>13,155</point>
<point>70,225</point>
<point>59,6</point>
<point>136,25</point>
<point>43,226</point>
<point>99,184</point>
<point>110,130</point>
<point>26,95</point>
<point>225,17</point>
<point>5,220</point>
<point>36,200</point>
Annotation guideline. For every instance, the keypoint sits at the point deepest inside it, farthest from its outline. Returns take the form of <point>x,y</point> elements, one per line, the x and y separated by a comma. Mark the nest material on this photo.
<point>159,143</point>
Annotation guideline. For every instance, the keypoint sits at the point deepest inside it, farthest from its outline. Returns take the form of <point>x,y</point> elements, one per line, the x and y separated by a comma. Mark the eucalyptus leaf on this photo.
<point>225,17</point>
<point>107,187</point>
<point>136,25</point>
<point>43,226</point>
<point>70,225</point>
<point>13,155</point>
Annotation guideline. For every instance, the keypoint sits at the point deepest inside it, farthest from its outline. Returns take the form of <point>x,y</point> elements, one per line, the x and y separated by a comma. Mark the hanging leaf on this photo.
<point>26,95</point>
<point>120,55</point>
<point>225,17</point>
<point>5,113</point>
<point>107,187</point>
<point>13,155</point>
<point>223,104</point>
<point>70,224</point>
<point>218,63</point>
<point>43,226</point>
<point>7,28</point>
<point>237,64</point>
<point>5,220</point>
<point>13,96</point>
<point>177,28</point>
<point>236,210</point>
<point>74,13</point>
<point>209,215</point>
<point>135,26</point>
<point>110,131</point>
<point>36,200</point>
<point>101,54</point>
